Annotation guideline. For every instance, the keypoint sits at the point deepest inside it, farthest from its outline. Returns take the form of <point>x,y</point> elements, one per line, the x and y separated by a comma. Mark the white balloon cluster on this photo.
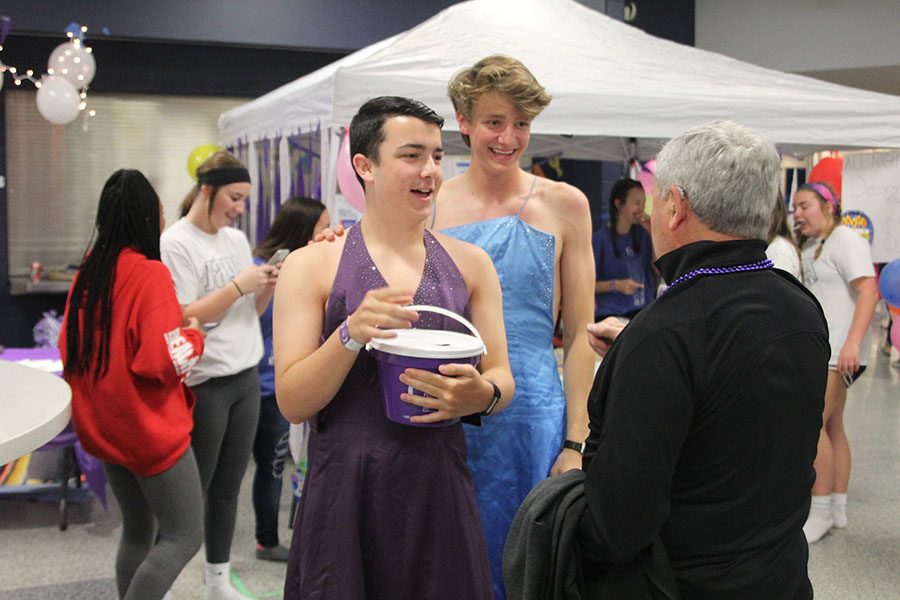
<point>62,92</point>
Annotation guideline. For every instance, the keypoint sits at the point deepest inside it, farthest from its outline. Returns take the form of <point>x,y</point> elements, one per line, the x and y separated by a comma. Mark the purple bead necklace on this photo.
<point>757,266</point>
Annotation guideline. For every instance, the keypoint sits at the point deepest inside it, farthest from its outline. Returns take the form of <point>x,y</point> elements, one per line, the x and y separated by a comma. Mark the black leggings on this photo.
<point>269,451</point>
<point>168,504</point>
<point>225,419</point>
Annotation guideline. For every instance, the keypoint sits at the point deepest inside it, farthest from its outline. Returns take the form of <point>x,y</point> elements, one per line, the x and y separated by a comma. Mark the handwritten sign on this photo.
<point>871,186</point>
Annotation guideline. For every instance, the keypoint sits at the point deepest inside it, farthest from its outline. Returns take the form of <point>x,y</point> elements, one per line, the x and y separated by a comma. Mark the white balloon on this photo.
<point>90,67</point>
<point>73,63</point>
<point>58,100</point>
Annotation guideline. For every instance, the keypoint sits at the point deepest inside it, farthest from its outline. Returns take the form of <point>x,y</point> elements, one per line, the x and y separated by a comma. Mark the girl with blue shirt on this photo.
<point>623,255</point>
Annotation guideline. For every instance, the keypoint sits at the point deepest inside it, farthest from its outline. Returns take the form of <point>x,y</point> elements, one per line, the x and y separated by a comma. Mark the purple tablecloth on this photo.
<point>17,354</point>
<point>89,465</point>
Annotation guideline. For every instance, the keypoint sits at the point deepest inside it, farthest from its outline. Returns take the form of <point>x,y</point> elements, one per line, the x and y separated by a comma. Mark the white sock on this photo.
<point>819,521</point>
<point>839,510</point>
<point>168,596</point>
<point>218,583</point>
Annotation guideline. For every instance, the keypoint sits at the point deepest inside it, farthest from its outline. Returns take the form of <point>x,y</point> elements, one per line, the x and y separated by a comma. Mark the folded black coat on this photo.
<point>542,559</point>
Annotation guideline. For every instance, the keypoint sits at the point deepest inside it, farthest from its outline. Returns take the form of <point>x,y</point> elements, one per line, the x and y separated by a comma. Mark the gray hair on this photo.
<point>728,173</point>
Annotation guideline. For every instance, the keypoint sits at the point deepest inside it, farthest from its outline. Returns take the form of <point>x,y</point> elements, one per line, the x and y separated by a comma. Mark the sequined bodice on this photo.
<point>441,285</point>
<point>524,258</point>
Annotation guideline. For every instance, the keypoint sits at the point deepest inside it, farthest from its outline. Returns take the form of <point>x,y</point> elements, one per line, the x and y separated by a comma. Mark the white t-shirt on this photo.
<point>200,264</point>
<point>845,256</point>
<point>784,254</point>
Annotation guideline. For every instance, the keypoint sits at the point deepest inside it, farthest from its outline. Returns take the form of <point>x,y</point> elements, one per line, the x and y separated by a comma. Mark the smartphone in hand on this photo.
<point>279,256</point>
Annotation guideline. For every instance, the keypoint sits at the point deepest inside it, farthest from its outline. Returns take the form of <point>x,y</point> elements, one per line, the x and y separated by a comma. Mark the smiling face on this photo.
<point>631,210</point>
<point>229,204</point>
<point>406,173</point>
<point>498,132</point>
<point>812,215</point>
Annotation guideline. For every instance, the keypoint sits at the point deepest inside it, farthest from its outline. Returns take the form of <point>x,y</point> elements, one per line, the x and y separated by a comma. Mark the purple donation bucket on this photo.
<point>425,349</point>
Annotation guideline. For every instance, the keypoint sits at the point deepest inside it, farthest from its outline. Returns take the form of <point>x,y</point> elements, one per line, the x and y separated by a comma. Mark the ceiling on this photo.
<point>876,79</point>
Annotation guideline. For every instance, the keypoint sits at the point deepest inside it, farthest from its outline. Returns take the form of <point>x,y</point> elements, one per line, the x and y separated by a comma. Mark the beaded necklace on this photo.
<point>756,266</point>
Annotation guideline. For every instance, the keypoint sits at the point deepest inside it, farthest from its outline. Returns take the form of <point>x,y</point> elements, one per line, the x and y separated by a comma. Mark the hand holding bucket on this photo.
<point>427,350</point>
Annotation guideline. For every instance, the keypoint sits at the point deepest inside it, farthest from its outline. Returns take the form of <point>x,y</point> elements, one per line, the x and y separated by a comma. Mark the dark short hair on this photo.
<point>367,126</point>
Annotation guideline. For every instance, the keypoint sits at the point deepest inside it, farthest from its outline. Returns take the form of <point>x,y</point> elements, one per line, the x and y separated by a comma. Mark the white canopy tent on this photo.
<point>610,82</point>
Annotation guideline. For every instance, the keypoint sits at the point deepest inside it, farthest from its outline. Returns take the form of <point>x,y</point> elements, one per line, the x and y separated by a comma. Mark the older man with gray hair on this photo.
<point>705,413</point>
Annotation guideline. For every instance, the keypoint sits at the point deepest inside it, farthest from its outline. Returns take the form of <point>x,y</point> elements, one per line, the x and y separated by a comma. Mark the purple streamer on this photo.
<point>263,161</point>
<point>5,23</point>
<point>317,164</point>
<point>276,184</point>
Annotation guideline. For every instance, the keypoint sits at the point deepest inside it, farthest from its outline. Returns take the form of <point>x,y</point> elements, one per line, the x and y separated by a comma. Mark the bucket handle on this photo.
<point>449,313</point>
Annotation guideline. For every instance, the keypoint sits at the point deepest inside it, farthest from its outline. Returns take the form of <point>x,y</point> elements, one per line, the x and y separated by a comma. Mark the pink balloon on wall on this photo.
<point>349,185</point>
<point>647,176</point>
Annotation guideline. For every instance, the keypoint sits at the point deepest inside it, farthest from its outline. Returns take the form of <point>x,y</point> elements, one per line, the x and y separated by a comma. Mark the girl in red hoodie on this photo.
<point>125,354</point>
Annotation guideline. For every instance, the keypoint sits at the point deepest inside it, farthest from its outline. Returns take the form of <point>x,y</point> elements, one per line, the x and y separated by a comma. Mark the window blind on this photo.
<point>55,173</point>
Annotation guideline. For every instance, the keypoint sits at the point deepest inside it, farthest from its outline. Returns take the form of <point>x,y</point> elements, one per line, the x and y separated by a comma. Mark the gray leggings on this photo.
<point>225,419</point>
<point>147,563</point>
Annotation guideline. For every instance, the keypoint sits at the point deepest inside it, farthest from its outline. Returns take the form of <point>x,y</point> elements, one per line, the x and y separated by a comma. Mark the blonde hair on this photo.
<point>219,160</point>
<point>499,74</point>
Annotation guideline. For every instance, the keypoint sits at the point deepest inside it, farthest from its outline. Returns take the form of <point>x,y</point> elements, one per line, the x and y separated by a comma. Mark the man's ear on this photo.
<point>676,207</point>
<point>463,122</point>
<point>363,166</point>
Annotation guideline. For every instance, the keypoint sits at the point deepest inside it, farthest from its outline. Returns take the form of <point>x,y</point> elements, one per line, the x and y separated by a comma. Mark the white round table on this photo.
<point>34,407</point>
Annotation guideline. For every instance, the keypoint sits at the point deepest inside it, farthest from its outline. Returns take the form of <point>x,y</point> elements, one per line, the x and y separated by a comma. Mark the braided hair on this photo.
<point>127,217</point>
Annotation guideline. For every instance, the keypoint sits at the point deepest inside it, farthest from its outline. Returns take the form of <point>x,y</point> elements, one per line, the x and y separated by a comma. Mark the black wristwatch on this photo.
<point>576,446</point>
<point>497,395</point>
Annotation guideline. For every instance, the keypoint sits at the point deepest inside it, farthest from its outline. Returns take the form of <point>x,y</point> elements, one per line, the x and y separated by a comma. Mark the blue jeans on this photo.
<point>270,449</point>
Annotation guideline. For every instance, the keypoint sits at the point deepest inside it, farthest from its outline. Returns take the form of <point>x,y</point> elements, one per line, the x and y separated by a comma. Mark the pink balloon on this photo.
<point>647,176</point>
<point>349,185</point>
<point>895,333</point>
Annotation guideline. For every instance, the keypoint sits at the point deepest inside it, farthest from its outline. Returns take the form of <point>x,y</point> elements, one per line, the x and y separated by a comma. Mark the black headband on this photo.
<point>219,177</point>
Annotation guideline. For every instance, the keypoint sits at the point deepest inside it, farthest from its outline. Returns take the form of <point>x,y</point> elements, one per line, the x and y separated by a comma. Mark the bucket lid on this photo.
<point>429,343</point>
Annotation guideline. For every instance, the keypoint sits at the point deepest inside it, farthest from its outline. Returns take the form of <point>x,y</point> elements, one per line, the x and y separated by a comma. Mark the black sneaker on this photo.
<point>275,553</point>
